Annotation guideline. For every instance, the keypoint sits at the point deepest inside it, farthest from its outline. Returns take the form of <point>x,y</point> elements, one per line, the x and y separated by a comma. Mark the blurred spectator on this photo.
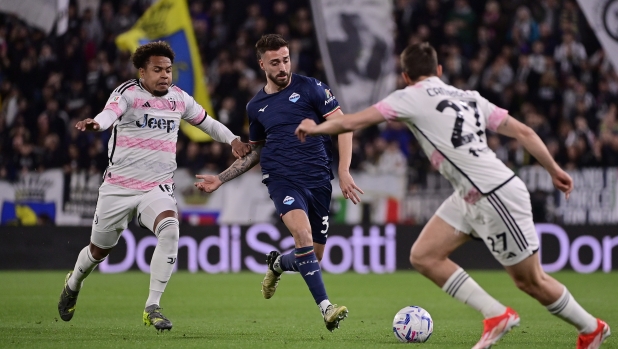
<point>525,30</point>
<point>570,55</point>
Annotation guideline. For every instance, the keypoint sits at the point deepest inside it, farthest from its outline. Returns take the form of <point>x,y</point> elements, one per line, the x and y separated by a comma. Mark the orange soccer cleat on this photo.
<point>496,327</point>
<point>593,340</point>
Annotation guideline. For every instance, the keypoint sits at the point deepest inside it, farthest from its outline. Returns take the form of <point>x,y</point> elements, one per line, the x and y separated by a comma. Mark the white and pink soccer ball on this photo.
<point>412,325</point>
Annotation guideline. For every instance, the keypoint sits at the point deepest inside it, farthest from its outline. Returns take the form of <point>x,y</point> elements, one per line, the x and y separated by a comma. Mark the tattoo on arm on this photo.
<point>243,164</point>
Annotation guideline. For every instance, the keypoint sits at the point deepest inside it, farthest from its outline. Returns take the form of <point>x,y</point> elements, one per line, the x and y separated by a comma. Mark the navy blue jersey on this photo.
<point>274,117</point>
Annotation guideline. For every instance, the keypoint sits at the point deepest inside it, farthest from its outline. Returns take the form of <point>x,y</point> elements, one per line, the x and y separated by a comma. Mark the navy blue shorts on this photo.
<point>315,202</point>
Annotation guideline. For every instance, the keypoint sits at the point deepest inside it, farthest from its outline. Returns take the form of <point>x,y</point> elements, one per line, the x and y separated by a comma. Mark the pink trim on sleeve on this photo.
<point>386,110</point>
<point>198,119</point>
<point>115,108</point>
<point>496,117</point>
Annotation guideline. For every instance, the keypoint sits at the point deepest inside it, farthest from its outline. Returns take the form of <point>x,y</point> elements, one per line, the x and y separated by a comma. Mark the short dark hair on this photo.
<point>419,60</point>
<point>156,48</point>
<point>269,42</point>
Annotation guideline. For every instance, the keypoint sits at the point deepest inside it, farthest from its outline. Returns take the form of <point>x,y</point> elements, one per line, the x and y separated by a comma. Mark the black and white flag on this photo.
<point>602,15</point>
<point>357,46</point>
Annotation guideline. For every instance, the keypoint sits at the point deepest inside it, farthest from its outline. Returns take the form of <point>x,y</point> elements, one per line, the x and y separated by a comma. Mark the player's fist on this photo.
<point>87,125</point>
<point>562,181</point>
<point>240,149</point>
<point>305,129</point>
<point>209,183</point>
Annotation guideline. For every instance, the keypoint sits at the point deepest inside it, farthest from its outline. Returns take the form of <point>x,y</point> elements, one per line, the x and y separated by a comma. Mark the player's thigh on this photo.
<point>115,207</point>
<point>158,200</point>
<point>319,212</point>
<point>504,221</point>
<point>291,205</point>
<point>437,241</point>
<point>445,231</point>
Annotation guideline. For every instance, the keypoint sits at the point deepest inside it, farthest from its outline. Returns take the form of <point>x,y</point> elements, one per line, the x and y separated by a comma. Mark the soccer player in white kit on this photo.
<point>490,202</point>
<point>145,114</point>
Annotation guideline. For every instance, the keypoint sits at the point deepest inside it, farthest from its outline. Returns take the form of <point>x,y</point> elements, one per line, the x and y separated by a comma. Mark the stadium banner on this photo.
<point>350,248</point>
<point>357,45</point>
<point>593,201</point>
<point>602,15</point>
<point>73,197</point>
<point>169,21</point>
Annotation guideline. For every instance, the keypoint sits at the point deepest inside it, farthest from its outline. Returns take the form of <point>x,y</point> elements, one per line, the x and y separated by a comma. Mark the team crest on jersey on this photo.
<point>172,103</point>
<point>294,97</point>
<point>288,200</point>
<point>329,96</point>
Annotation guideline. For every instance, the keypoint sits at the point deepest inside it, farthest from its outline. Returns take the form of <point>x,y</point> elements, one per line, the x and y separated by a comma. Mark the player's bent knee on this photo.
<point>99,253</point>
<point>168,233</point>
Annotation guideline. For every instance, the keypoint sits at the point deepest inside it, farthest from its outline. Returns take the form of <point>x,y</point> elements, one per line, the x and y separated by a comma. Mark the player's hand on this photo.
<point>305,129</point>
<point>348,187</point>
<point>87,125</point>
<point>240,149</point>
<point>563,182</point>
<point>209,183</point>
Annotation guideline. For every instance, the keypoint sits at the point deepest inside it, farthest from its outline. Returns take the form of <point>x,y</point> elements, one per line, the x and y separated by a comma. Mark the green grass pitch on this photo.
<point>228,311</point>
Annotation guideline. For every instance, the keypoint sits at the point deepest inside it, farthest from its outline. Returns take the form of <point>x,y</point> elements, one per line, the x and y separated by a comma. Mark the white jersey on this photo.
<point>450,124</point>
<point>142,148</point>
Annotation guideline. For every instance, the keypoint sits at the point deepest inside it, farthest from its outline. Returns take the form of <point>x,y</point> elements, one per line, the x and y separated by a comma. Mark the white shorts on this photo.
<point>502,219</point>
<point>116,207</point>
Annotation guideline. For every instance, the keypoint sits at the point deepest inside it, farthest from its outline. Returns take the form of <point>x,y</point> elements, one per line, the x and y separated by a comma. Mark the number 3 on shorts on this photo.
<point>325,222</point>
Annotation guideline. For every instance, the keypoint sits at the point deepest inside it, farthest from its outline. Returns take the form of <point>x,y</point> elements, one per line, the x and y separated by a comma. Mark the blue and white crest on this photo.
<point>288,200</point>
<point>294,97</point>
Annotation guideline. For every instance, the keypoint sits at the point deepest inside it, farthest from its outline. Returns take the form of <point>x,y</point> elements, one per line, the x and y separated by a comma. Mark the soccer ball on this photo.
<point>413,325</point>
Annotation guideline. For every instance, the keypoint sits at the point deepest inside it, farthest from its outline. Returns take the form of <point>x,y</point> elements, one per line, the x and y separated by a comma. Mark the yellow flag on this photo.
<point>169,20</point>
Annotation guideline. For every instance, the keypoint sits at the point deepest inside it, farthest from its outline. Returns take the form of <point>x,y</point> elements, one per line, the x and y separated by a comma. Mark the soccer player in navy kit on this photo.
<point>297,174</point>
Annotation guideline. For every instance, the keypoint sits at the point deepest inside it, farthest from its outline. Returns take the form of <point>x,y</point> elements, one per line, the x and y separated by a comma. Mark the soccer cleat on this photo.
<point>593,340</point>
<point>333,314</point>
<point>68,299</point>
<point>271,279</point>
<point>496,327</point>
<point>153,316</point>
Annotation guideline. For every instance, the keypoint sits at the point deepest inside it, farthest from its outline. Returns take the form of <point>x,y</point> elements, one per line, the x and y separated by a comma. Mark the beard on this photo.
<point>280,83</point>
<point>159,93</point>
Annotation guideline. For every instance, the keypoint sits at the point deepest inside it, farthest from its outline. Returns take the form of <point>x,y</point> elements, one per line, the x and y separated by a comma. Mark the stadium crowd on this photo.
<point>538,59</point>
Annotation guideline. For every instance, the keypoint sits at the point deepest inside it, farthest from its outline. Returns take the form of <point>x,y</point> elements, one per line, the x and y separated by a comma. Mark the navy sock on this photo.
<point>309,268</point>
<point>288,262</point>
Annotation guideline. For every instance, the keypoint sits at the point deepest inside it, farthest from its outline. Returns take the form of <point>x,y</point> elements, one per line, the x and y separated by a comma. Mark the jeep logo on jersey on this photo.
<point>329,96</point>
<point>294,97</point>
<point>288,200</point>
<point>151,122</point>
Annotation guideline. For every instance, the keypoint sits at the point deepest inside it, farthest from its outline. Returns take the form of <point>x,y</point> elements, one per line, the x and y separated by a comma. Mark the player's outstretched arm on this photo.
<point>535,146</point>
<point>211,183</point>
<point>341,124</point>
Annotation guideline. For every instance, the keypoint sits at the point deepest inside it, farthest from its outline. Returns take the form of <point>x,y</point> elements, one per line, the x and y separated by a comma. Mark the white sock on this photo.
<point>83,266</point>
<point>567,308</point>
<point>323,305</point>
<point>463,288</point>
<point>154,297</point>
<point>163,258</point>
